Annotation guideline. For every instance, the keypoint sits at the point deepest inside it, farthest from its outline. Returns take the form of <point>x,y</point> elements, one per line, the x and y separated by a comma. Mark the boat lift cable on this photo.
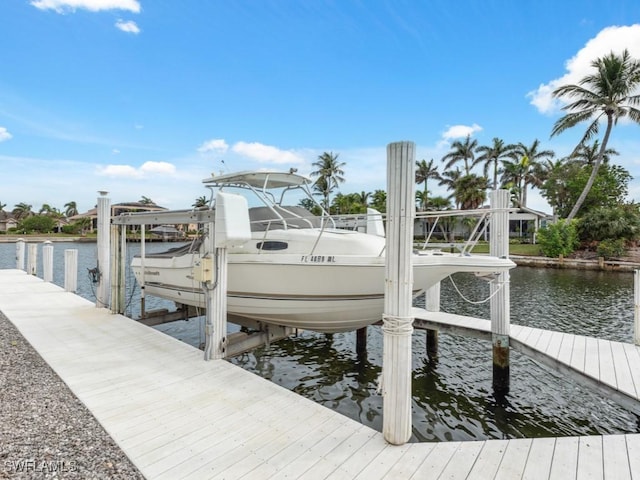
<point>478,302</point>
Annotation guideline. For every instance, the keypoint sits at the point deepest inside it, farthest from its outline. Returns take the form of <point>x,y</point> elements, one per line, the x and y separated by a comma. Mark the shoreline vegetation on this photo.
<point>522,254</point>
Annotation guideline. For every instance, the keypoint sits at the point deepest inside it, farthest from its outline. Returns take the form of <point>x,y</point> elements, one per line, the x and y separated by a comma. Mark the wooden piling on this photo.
<point>397,320</point>
<point>636,307</point>
<point>104,249</point>
<point>118,268</point>
<point>71,270</point>
<point>47,261</point>
<point>32,259</point>
<point>432,304</point>
<point>20,251</point>
<point>500,301</point>
<point>143,297</point>
<point>361,341</point>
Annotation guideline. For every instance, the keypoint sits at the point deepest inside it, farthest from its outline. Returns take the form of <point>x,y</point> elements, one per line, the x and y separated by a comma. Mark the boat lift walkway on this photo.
<point>177,416</point>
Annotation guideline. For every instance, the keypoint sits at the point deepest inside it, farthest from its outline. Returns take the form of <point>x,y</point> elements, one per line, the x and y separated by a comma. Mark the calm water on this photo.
<point>452,396</point>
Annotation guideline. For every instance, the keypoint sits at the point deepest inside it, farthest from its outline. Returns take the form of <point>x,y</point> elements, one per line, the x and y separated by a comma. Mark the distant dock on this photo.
<point>177,416</point>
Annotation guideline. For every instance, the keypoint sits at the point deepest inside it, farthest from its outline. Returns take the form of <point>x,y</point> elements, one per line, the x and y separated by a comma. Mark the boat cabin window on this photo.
<point>272,245</point>
<point>263,218</point>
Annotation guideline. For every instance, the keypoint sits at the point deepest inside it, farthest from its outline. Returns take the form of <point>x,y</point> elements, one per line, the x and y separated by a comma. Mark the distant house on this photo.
<point>116,209</point>
<point>7,221</point>
<point>525,222</point>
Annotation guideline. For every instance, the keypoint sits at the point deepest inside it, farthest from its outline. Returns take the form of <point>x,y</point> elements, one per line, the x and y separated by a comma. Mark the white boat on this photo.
<point>298,270</point>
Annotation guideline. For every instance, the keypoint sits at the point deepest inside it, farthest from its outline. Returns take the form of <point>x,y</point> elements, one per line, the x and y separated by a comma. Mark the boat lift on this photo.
<point>228,231</point>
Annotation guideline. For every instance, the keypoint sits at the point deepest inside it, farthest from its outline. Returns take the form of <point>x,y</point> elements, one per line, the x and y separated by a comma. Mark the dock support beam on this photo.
<point>397,320</point>
<point>432,304</point>
<point>500,301</point>
<point>636,307</point>
<point>118,268</point>
<point>104,249</point>
<point>361,341</point>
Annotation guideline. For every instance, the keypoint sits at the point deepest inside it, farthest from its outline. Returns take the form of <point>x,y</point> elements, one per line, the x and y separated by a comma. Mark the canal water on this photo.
<point>452,395</point>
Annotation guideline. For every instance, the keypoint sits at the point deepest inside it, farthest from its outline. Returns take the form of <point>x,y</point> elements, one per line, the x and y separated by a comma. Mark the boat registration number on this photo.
<point>318,259</point>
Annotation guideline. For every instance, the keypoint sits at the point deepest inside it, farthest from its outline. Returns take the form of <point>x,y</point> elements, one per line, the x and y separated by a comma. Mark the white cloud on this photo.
<point>61,6</point>
<point>4,134</point>
<point>145,170</point>
<point>161,168</point>
<point>215,145</point>
<point>115,151</point>
<point>129,26</point>
<point>460,131</point>
<point>119,171</point>
<point>611,39</point>
<point>266,153</point>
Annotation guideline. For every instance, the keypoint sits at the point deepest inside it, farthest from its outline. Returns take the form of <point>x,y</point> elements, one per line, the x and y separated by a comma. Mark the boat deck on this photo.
<point>177,416</point>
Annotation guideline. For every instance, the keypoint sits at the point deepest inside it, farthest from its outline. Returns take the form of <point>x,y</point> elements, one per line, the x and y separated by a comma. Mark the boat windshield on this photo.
<point>273,198</point>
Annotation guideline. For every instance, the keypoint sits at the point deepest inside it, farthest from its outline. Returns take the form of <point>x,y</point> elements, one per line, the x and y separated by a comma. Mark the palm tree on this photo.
<point>450,179</point>
<point>71,209</point>
<point>424,171</point>
<point>330,174</point>
<point>362,198</point>
<point>462,151</point>
<point>421,200</point>
<point>523,170</point>
<point>21,210</point>
<point>2,205</point>
<point>586,155</point>
<point>471,191</point>
<point>379,200</point>
<point>200,202</point>
<point>146,201</point>
<point>46,209</point>
<point>606,93</point>
<point>492,155</point>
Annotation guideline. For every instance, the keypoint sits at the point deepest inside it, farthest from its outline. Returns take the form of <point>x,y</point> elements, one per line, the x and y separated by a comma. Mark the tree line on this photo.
<point>585,190</point>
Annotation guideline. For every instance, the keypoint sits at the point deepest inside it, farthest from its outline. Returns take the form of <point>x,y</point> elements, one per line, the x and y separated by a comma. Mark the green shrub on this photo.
<point>71,229</point>
<point>606,223</point>
<point>560,238</point>
<point>38,224</point>
<point>611,248</point>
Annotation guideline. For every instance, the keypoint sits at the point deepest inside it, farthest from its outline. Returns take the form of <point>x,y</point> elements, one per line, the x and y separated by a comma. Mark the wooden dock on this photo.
<point>612,368</point>
<point>177,416</point>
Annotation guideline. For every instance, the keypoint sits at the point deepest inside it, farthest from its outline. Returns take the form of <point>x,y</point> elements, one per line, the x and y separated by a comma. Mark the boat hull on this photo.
<point>324,293</point>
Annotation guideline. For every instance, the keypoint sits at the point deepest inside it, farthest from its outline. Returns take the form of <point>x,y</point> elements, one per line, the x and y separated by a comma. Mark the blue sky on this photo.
<point>149,97</point>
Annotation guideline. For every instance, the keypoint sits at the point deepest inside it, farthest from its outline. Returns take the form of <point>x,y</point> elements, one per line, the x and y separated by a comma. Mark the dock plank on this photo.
<point>607,367</point>
<point>616,458</point>
<point>438,460</point>
<point>624,376</point>
<point>591,358</point>
<point>632,352</point>
<point>578,353</point>
<point>488,460</point>
<point>565,458</point>
<point>407,464</point>
<point>463,460</point>
<point>590,462</point>
<point>553,349</point>
<point>514,459</point>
